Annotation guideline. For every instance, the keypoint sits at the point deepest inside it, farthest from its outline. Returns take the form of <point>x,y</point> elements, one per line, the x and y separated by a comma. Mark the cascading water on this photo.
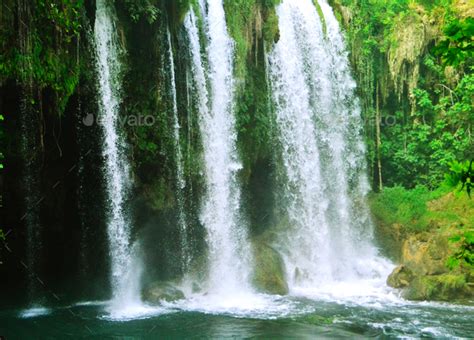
<point>180,181</point>
<point>330,234</point>
<point>226,233</point>
<point>31,188</point>
<point>29,148</point>
<point>124,272</point>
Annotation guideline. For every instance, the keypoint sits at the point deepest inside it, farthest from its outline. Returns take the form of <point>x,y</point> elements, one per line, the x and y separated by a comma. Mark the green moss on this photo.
<point>270,27</point>
<point>446,287</point>
<point>452,282</point>
<point>240,17</point>
<point>159,195</point>
<point>427,255</point>
<point>252,24</point>
<point>321,17</point>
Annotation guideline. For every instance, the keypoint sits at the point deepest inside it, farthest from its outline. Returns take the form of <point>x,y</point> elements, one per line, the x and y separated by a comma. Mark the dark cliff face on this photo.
<point>45,139</point>
<point>50,52</point>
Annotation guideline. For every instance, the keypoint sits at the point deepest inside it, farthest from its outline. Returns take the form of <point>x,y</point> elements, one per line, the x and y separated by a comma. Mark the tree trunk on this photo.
<point>377,136</point>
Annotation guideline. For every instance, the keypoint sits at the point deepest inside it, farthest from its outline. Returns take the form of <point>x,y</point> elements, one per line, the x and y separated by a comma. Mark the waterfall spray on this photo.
<point>180,181</point>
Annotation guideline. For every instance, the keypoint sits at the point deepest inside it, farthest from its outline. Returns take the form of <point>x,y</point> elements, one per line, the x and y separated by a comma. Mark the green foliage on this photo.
<point>461,175</point>
<point>248,22</point>
<point>49,56</point>
<point>456,170</point>
<point>419,148</point>
<point>422,131</point>
<point>138,9</point>
<point>457,46</point>
<point>321,17</point>
<point>465,252</point>
<point>239,16</point>
<point>398,205</point>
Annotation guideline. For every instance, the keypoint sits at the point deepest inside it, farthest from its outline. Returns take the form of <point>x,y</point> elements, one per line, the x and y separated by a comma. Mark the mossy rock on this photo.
<point>446,287</point>
<point>426,254</point>
<point>157,292</point>
<point>400,277</point>
<point>269,272</point>
<point>423,274</point>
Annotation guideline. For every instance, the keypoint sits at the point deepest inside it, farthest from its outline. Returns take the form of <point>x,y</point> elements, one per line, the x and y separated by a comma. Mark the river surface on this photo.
<point>247,316</point>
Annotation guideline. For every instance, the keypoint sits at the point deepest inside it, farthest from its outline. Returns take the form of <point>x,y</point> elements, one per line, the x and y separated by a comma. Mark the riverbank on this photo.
<point>424,233</point>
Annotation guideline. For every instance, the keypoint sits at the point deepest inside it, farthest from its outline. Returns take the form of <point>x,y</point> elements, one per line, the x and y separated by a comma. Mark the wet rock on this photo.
<point>423,274</point>
<point>446,287</point>
<point>269,272</point>
<point>400,277</point>
<point>158,292</point>
<point>426,255</point>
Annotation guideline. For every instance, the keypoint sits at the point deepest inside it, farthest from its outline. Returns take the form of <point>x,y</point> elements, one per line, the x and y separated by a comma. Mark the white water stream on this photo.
<point>229,249</point>
<point>328,240</point>
<point>180,181</point>
<point>125,271</point>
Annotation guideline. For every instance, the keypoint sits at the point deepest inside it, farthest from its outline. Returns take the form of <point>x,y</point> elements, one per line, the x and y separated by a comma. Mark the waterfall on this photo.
<point>180,181</point>
<point>123,269</point>
<point>229,251</point>
<point>329,237</point>
<point>30,149</point>
<point>31,189</point>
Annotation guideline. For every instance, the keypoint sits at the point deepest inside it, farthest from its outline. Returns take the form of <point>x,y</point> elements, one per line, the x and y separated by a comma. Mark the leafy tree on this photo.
<point>423,130</point>
<point>142,9</point>
<point>465,253</point>
<point>457,47</point>
<point>461,174</point>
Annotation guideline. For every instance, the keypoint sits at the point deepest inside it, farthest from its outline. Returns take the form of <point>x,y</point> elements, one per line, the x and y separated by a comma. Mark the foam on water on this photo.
<point>387,312</point>
<point>90,303</point>
<point>252,305</point>
<point>34,312</point>
<point>134,311</point>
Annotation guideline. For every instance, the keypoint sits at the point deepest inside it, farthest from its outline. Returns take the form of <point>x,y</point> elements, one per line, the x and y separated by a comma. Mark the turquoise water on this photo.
<point>268,317</point>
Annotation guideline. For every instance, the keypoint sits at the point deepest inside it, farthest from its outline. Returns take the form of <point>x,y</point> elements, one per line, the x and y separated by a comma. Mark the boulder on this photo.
<point>423,274</point>
<point>426,254</point>
<point>269,272</point>
<point>445,287</point>
<point>400,277</point>
<point>158,292</point>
